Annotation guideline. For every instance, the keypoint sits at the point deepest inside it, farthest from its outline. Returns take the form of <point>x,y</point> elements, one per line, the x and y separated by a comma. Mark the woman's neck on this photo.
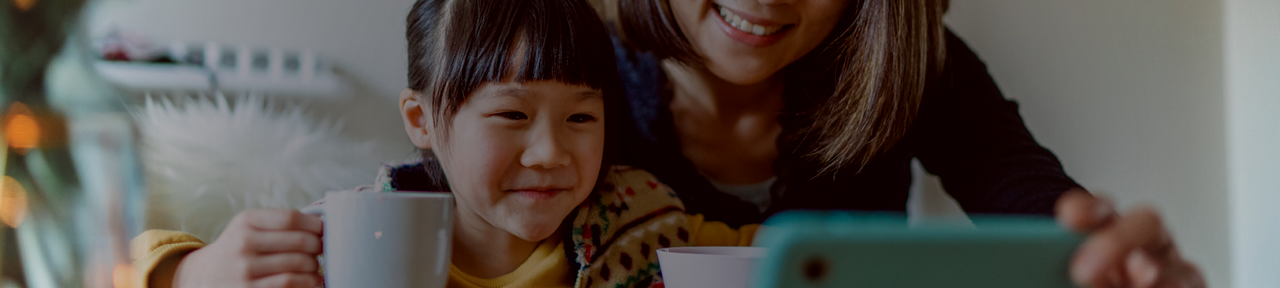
<point>485,251</point>
<point>696,88</point>
<point>728,131</point>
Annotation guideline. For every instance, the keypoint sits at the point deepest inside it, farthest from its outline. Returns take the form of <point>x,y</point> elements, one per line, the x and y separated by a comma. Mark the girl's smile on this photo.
<point>538,194</point>
<point>541,192</point>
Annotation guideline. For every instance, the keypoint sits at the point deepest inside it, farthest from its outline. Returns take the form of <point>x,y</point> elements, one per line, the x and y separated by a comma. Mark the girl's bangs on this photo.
<point>534,41</point>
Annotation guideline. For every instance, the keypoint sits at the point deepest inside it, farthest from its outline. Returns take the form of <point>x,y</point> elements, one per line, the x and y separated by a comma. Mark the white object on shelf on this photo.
<point>211,54</point>
<point>277,64</point>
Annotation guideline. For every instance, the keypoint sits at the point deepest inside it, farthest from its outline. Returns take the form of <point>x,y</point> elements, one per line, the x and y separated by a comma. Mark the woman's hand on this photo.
<point>259,248</point>
<point>1130,250</point>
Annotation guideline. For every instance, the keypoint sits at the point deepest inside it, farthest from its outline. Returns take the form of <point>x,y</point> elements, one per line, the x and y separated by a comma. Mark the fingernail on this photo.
<point>1149,277</point>
<point>1145,272</point>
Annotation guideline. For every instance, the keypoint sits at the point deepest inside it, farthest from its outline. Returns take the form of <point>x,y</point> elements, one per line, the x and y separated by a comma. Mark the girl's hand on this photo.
<point>1130,250</point>
<point>259,248</point>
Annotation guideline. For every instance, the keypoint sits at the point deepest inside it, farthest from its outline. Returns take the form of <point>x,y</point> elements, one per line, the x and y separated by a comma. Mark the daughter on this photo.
<point>510,100</point>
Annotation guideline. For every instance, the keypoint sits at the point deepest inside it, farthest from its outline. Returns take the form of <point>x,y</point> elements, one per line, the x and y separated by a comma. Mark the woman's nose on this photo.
<point>545,150</point>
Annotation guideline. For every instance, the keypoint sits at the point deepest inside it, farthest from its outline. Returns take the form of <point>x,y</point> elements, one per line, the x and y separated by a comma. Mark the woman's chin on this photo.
<point>739,73</point>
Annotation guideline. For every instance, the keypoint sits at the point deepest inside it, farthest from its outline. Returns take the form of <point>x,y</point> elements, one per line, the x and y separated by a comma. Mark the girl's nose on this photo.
<point>545,150</point>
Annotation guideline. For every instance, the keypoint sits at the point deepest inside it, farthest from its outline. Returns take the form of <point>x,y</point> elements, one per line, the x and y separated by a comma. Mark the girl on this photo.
<point>510,100</point>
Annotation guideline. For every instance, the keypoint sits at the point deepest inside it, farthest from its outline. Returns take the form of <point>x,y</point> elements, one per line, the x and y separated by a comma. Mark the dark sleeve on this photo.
<point>969,135</point>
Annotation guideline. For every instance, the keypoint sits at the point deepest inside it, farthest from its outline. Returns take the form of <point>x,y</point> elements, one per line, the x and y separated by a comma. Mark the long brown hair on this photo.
<point>880,55</point>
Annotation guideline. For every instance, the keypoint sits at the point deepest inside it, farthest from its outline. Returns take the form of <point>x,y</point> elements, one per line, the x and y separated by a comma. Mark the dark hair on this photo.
<point>875,61</point>
<point>455,46</point>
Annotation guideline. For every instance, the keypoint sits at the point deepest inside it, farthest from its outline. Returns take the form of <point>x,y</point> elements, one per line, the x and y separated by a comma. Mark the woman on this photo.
<point>750,107</point>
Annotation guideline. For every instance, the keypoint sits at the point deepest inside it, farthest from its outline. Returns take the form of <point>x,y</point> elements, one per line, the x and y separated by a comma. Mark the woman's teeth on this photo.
<point>746,26</point>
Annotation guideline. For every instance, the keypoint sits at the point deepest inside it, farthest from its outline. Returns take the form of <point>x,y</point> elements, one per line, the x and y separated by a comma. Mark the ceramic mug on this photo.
<point>387,239</point>
<point>709,267</point>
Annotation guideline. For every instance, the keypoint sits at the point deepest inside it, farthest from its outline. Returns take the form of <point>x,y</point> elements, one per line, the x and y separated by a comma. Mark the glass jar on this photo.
<point>73,193</point>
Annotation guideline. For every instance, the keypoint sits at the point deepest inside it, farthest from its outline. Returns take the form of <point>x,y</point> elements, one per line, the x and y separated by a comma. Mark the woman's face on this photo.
<point>747,41</point>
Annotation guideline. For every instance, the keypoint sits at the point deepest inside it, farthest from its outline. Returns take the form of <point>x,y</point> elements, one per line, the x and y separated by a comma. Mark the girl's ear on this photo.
<point>416,121</point>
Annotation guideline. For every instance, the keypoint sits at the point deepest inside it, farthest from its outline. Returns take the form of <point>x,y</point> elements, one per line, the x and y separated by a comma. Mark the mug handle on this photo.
<point>314,209</point>
<point>318,210</point>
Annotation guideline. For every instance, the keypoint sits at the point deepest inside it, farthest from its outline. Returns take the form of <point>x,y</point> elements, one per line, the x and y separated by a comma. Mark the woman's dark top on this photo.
<point>965,132</point>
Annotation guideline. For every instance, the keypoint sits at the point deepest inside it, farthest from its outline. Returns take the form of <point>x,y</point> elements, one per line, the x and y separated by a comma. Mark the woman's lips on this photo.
<point>747,29</point>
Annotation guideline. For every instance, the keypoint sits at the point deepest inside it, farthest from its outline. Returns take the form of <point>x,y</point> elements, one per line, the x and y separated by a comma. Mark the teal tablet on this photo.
<point>852,249</point>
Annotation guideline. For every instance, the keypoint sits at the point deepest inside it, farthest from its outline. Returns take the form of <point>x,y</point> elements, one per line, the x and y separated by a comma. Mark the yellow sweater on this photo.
<point>157,253</point>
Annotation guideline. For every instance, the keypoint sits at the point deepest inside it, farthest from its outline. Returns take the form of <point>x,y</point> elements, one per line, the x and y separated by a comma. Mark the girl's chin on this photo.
<point>535,232</point>
<point>537,221</point>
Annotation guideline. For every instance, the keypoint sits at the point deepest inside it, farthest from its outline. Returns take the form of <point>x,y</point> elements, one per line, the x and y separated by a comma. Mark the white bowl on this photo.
<point>708,267</point>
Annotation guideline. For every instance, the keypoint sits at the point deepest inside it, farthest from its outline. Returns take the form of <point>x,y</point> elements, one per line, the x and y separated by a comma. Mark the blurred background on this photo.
<point>1169,103</point>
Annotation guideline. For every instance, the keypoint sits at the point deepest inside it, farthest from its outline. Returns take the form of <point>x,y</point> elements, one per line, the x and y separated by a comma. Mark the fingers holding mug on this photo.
<point>279,263</point>
<point>289,280</point>
<point>284,220</point>
<point>284,241</point>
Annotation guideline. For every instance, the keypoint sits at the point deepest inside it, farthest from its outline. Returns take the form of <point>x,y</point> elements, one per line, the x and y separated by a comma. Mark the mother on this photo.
<point>750,107</point>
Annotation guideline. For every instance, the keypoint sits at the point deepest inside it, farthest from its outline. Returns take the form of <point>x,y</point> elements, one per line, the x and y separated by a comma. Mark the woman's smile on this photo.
<point>746,42</point>
<point>749,29</point>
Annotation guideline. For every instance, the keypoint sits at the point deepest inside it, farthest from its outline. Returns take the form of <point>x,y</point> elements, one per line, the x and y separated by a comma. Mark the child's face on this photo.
<point>521,156</point>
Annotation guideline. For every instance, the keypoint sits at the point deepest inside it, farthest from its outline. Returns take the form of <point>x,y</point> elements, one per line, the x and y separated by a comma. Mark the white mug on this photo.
<point>386,239</point>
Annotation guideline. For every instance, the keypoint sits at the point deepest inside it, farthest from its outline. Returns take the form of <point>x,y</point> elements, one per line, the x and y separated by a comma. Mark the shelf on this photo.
<point>153,76</point>
<point>156,76</point>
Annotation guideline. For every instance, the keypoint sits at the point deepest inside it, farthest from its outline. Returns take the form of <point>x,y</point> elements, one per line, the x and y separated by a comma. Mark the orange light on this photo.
<point>21,129</point>
<point>24,5</point>
<point>13,202</point>
<point>123,276</point>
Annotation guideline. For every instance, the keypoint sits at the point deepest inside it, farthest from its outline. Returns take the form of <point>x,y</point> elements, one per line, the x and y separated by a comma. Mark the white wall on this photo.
<point>1253,131</point>
<point>363,39</point>
<point>1129,94</point>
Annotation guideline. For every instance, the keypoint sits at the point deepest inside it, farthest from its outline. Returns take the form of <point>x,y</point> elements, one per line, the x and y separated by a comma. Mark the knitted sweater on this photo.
<point>615,233</point>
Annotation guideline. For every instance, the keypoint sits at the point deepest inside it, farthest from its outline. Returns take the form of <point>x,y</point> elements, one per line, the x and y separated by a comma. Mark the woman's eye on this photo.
<point>581,118</point>
<point>513,115</point>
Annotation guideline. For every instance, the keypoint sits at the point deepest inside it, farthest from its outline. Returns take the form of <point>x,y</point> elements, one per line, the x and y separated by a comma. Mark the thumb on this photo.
<point>1080,211</point>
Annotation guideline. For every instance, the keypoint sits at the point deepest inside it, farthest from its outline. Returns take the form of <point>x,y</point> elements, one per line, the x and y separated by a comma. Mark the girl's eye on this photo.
<point>513,115</point>
<point>581,118</point>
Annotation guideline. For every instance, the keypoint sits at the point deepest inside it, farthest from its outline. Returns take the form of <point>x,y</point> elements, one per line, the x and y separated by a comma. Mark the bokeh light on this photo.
<point>24,4</point>
<point>13,202</point>
<point>21,129</point>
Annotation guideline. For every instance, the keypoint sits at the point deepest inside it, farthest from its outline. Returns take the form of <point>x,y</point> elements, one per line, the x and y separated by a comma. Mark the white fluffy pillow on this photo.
<point>207,159</point>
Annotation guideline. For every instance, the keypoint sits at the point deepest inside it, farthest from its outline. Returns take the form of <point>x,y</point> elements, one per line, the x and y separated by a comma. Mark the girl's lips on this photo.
<point>538,194</point>
<point>743,36</point>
